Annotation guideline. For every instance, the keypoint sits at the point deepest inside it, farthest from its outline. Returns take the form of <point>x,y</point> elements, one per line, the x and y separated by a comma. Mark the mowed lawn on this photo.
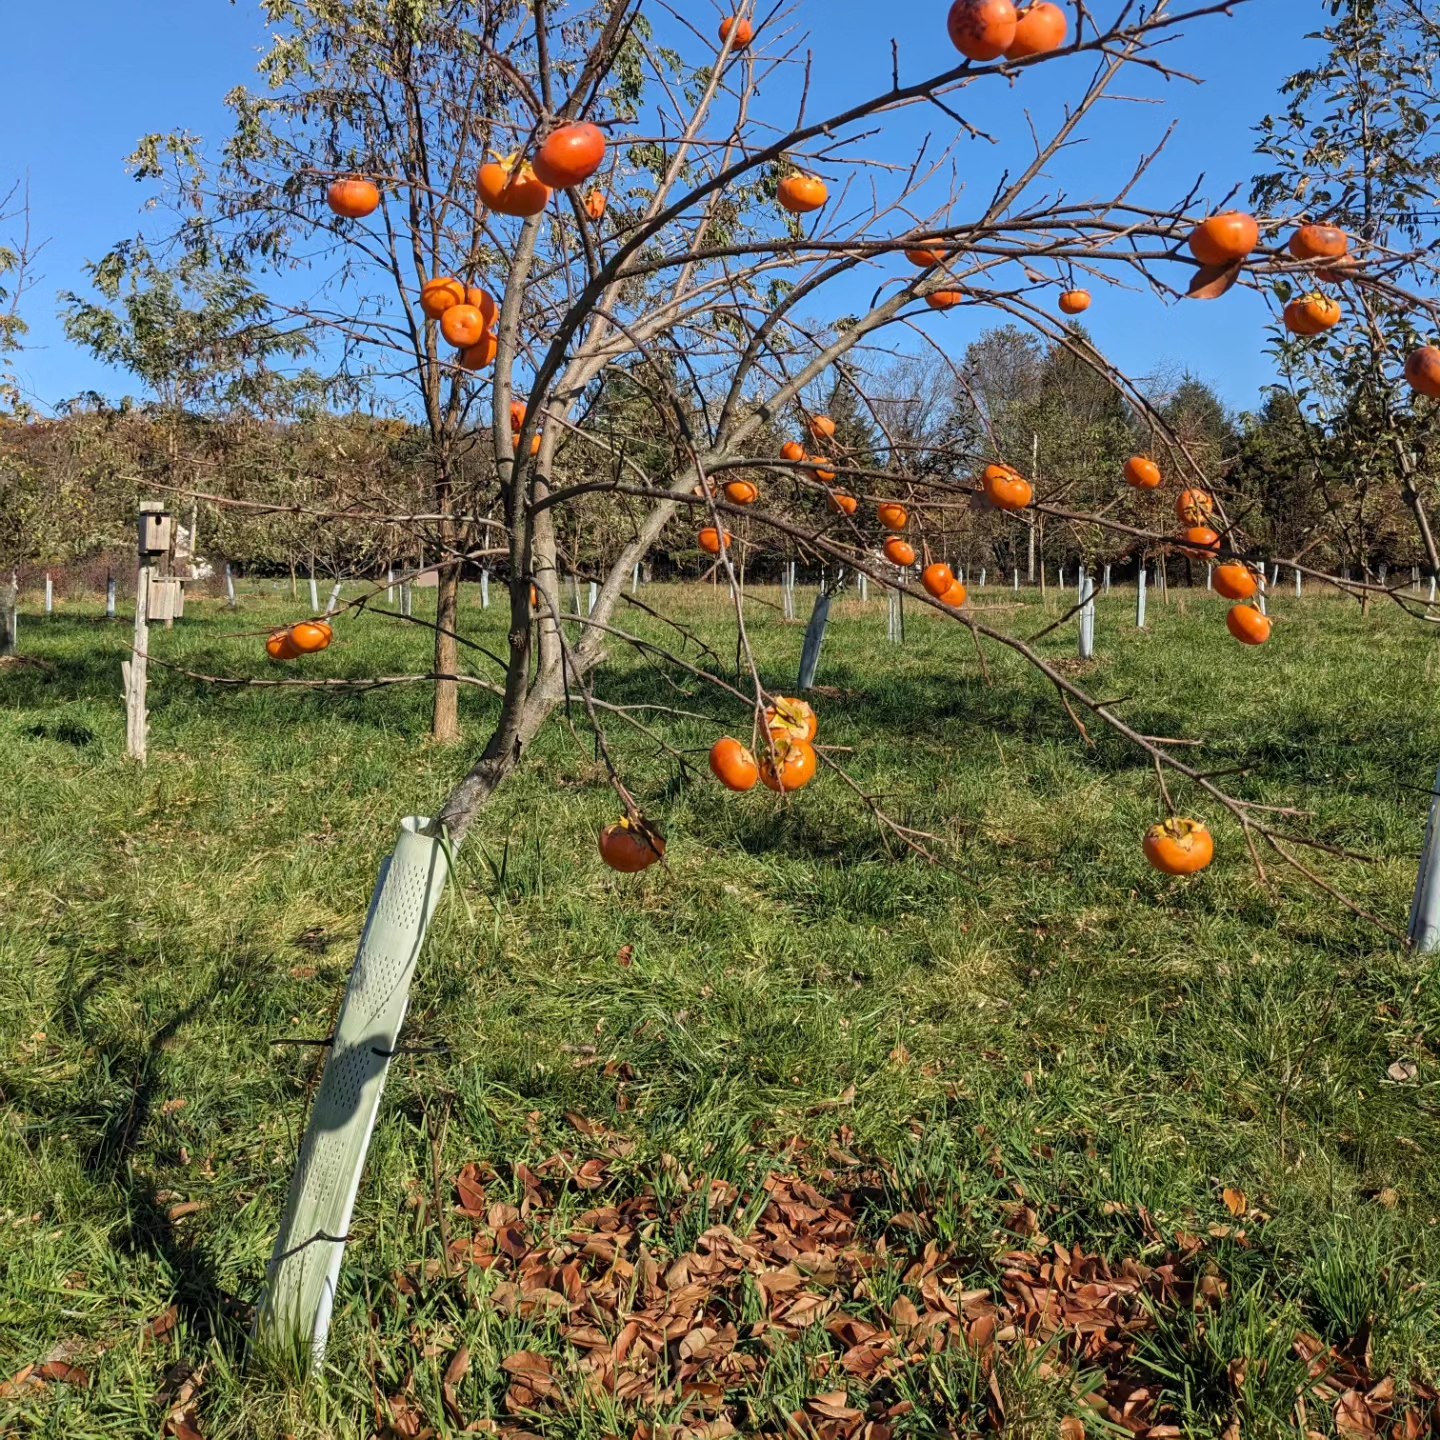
<point>1037,1043</point>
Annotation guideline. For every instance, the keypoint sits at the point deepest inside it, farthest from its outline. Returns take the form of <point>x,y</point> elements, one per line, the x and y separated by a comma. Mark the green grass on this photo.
<point>1041,1015</point>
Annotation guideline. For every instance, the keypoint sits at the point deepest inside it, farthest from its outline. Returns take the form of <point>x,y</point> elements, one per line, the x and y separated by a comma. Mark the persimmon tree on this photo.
<point>662,324</point>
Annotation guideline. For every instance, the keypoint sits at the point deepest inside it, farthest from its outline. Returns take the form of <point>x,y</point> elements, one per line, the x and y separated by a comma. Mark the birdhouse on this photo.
<point>154,532</point>
<point>167,597</point>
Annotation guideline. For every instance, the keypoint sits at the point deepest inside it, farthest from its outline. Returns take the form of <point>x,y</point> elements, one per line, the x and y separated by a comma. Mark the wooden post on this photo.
<point>153,548</point>
<point>135,671</point>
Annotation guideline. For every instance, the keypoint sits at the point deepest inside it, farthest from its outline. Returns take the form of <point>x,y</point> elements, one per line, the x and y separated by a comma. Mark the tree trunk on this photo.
<point>9,612</point>
<point>445,719</point>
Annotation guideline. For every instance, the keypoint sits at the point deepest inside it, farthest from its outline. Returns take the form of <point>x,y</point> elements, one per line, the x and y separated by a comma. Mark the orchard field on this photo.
<point>1204,1111</point>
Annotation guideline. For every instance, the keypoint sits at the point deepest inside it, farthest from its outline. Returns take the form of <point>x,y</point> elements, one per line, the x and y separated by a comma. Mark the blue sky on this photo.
<point>71,112</point>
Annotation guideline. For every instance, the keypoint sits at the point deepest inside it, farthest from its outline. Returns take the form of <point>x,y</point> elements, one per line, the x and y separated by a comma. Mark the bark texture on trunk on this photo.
<point>445,717</point>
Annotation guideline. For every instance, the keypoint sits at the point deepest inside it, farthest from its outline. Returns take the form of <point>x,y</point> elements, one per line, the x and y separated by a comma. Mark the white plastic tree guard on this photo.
<point>895,622</point>
<point>1140,600</point>
<point>1087,617</point>
<point>305,1267</point>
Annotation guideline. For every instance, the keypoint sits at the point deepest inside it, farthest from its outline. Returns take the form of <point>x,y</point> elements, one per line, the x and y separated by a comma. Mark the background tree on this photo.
<point>1355,147</point>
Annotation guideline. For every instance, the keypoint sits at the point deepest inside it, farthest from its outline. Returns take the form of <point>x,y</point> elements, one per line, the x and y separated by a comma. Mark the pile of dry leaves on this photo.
<point>689,1336</point>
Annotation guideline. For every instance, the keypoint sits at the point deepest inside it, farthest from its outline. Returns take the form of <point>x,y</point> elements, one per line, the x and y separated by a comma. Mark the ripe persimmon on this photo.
<point>1142,473</point>
<point>1194,507</point>
<point>733,765</point>
<point>463,326</point>
<point>1235,581</point>
<point>822,428</point>
<point>822,471</point>
<point>1319,242</point>
<point>1223,239</point>
<point>792,719</point>
<point>1006,489</point>
<point>982,29</point>
<point>795,769</point>
<point>803,194</point>
<point>711,541</point>
<point>1040,29</point>
<point>1074,302</point>
<point>518,411</point>
<point>1199,542</point>
<point>1422,371</point>
<point>438,295</point>
<point>937,579</point>
<point>1248,625</point>
<point>630,848</point>
<point>899,552</point>
<point>511,187</point>
<point>569,156</point>
<point>310,636</point>
<point>945,299</point>
<point>1179,847</point>
<point>741,492</point>
<point>482,352</point>
<point>792,450</point>
<point>841,503</point>
<point>892,515</point>
<point>1312,314</point>
<point>955,596</point>
<point>353,198</point>
<point>595,205</point>
<point>484,302</point>
<point>738,31</point>
<point>926,259</point>
<point>280,646</point>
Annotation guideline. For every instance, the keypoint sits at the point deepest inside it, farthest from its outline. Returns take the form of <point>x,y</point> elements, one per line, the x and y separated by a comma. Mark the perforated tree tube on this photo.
<point>305,1268</point>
